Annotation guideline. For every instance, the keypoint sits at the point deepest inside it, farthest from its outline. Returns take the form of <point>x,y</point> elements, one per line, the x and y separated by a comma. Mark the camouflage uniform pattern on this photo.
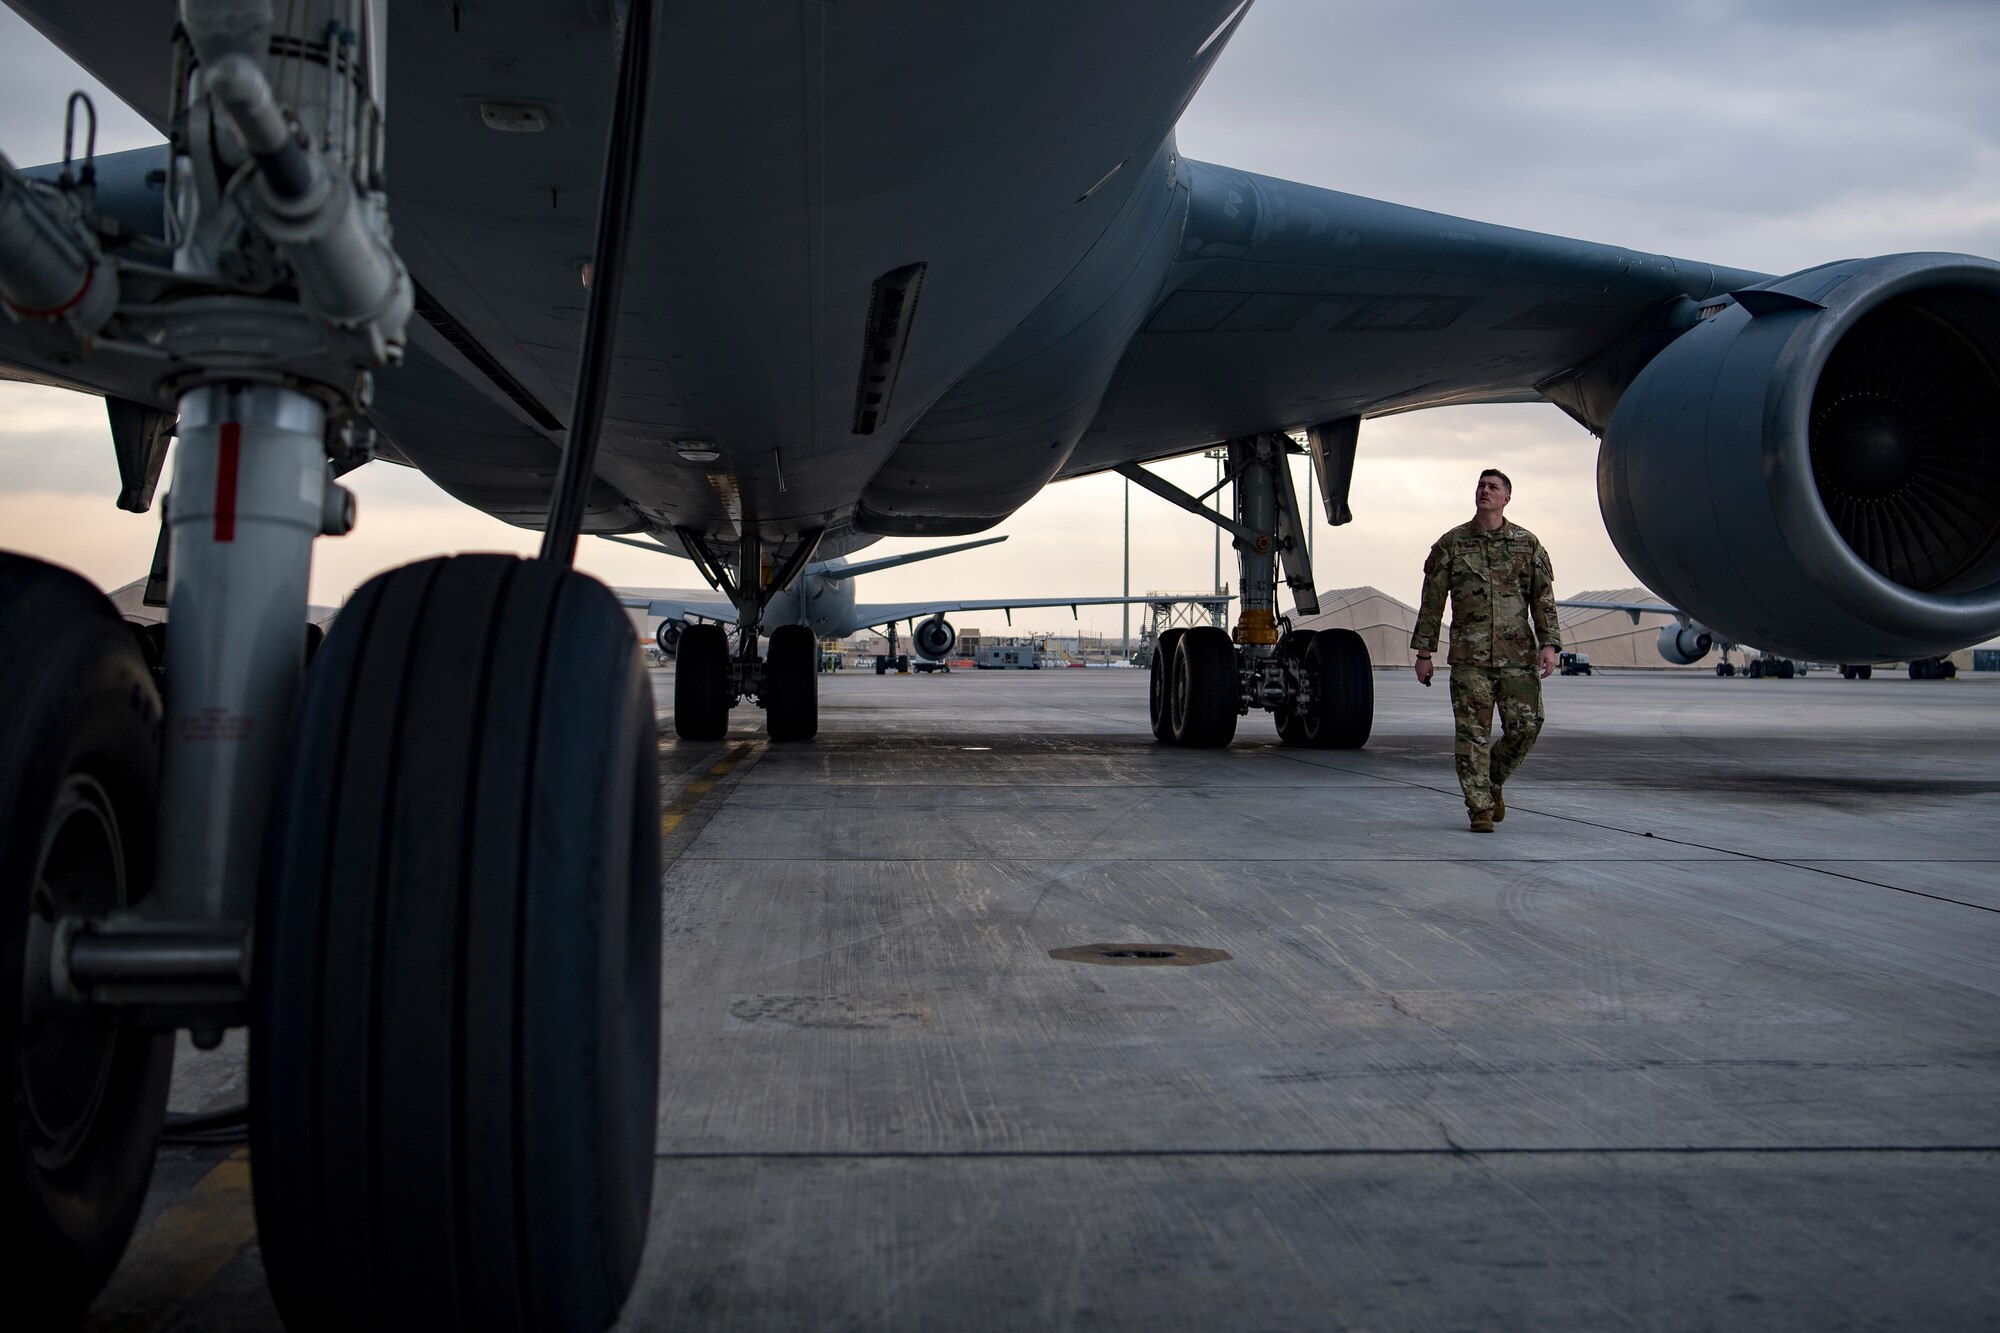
<point>1503,613</point>
<point>1476,694</point>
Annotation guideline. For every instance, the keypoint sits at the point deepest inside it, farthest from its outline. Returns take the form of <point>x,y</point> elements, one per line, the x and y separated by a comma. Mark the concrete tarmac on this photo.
<point>1707,1035</point>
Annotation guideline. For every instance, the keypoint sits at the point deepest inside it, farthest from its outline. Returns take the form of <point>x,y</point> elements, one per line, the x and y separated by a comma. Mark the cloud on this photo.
<point>35,82</point>
<point>55,441</point>
<point>1720,132</point>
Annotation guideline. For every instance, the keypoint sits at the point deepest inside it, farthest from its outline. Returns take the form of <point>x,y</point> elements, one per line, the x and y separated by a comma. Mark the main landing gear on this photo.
<point>709,680</point>
<point>1318,685</point>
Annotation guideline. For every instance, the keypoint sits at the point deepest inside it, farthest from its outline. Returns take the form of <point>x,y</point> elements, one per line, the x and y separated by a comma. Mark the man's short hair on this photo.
<point>1496,472</point>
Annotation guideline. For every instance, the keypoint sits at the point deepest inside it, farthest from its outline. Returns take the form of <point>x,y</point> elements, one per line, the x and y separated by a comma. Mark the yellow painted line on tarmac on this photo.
<point>187,1245</point>
<point>683,805</point>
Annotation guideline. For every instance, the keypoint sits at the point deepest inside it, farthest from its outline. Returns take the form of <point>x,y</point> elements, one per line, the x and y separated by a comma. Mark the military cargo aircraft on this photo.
<point>1687,641</point>
<point>820,602</point>
<point>764,283</point>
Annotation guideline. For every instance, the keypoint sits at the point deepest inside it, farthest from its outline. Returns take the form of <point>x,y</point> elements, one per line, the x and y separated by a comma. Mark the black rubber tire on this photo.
<point>1787,669</point>
<point>455,1055</point>
<point>1343,711</point>
<point>1291,721</point>
<point>1206,689</point>
<point>1867,673</point>
<point>791,686</point>
<point>701,684</point>
<point>881,667</point>
<point>79,779</point>
<point>1160,689</point>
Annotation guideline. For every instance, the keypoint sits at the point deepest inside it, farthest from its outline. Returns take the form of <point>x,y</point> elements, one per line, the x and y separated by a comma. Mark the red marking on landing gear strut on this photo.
<point>225,482</point>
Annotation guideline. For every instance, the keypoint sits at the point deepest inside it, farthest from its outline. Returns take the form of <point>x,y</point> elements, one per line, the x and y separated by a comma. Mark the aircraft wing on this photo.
<point>1631,608</point>
<point>869,614</point>
<point>1287,303</point>
<point>675,608</point>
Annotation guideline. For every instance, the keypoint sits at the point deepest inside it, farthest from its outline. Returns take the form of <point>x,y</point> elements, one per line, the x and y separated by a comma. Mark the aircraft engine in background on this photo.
<point>668,636</point>
<point>1816,467</point>
<point>934,638</point>
<point>1684,644</point>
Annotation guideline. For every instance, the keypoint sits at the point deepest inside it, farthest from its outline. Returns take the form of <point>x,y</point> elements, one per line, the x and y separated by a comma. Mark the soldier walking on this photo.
<point>1498,578</point>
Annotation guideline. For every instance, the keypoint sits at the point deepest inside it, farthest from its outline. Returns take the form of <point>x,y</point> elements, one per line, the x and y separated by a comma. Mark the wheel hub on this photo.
<point>68,1050</point>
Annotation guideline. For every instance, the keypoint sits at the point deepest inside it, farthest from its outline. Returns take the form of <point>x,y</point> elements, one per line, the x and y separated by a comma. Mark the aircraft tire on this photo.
<point>79,779</point>
<point>1205,688</point>
<point>1289,717</point>
<point>1343,711</point>
<point>455,1009</point>
<point>701,684</point>
<point>1160,691</point>
<point>791,688</point>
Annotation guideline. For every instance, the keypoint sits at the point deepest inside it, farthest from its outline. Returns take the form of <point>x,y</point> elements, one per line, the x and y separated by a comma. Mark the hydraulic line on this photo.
<point>614,226</point>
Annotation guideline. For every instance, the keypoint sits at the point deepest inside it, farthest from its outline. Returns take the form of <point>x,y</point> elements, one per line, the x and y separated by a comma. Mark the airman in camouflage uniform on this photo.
<point>1498,578</point>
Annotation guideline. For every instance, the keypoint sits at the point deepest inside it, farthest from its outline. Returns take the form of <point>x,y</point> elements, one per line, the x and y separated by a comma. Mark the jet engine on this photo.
<point>934,638</point>
<point>1815,466</point>
<point>1683,644</point>
<point>668,636</point>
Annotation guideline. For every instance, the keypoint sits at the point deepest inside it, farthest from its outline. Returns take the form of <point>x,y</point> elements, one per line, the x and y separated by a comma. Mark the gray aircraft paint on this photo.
<point>1089,297</point>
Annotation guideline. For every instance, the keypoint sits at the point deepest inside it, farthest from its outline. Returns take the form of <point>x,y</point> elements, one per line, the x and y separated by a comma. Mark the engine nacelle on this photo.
<point>668,636</point>
<point>1816,468</point>
<point>934,638</point>
<point>1684,644</point>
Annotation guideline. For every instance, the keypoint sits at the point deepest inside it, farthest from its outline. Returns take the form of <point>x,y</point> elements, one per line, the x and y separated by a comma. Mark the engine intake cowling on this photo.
<point>1815,469</point>
<point>1684,644</point>
<point>934,638</point>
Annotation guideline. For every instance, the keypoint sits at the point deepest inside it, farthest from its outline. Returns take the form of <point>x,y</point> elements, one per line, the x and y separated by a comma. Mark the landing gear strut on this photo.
<point>1318,685</point>
<point>708,682</point>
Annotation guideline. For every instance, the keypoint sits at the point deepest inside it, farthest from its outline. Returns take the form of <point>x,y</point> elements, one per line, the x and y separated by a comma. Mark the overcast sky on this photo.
<point>1770,135</point>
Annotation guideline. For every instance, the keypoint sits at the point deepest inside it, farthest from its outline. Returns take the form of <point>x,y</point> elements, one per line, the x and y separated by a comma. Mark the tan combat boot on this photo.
<point>1482,822</point>
<point>1499,806</point>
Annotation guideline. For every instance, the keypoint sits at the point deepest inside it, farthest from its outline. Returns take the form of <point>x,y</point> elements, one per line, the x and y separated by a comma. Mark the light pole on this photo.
<point>1125,611</point>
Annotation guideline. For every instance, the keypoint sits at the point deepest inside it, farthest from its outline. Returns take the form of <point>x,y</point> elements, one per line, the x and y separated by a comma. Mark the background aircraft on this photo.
<point>822,598</point>
<point>1688,642</point>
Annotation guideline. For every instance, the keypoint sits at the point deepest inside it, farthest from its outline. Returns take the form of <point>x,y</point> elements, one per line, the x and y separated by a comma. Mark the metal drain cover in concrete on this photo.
<point>1139,955</point>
